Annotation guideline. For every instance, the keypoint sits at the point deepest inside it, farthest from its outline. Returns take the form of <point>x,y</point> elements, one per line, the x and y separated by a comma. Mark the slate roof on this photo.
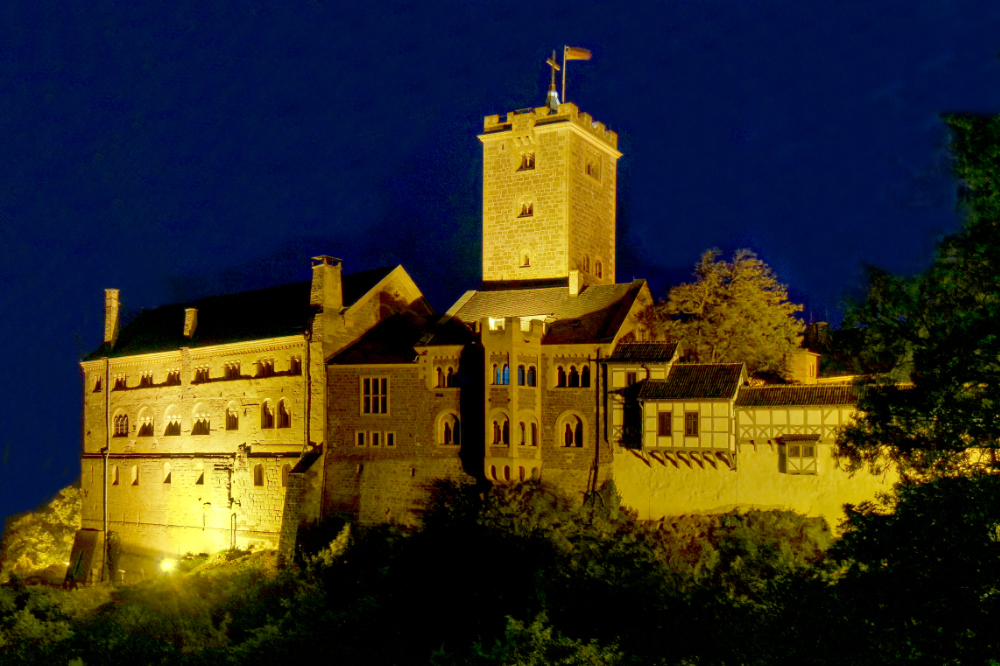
<point>594,315</point>
<point>642,352</point>
<point>780,396</point>
<point>394,340</point>
<point>696,381</point>
<point>251,315</point>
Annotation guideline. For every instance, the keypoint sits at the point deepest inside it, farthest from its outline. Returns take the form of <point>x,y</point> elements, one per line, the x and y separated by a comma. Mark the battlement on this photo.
<point>540,116</point>
<point>497,330</point>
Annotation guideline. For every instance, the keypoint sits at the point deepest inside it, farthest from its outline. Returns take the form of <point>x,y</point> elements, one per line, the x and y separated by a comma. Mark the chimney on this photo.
<point>327,289</point>
<point>575,283</point>
<point>190,321</point>
<point>112,307</point>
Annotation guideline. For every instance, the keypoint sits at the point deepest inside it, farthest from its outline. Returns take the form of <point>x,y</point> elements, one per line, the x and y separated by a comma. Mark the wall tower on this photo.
<point>549,186</point>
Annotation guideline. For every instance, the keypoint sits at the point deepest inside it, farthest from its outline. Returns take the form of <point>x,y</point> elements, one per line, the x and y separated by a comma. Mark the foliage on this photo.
<point>940,331</point>
<point>735,311</point>
<point>741,552</point>
<point>41,540</point>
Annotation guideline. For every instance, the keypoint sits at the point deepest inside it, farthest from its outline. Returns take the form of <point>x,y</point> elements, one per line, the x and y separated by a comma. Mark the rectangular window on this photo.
<point>390,439</point>
<point>375,438</point>
<point>663,425</point>
<point>691,424</point>
<point>360,439</point>
<point>800,457</point>
<point>375,395</point>
<point>630,378</point>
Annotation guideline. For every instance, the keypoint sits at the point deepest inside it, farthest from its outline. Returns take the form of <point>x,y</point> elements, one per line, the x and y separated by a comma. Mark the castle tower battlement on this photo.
<point>549,189</point>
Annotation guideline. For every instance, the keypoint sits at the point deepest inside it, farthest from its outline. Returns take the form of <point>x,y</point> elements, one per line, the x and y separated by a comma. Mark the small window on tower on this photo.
<point>593,169</point>
<point>527,161</point>
<point>598,269</point>
<point>527,210</point>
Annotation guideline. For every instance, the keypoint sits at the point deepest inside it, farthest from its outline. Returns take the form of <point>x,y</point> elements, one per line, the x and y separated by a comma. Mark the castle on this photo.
<point>232,420</point>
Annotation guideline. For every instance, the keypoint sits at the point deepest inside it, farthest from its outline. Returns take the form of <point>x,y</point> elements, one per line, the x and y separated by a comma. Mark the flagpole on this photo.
<point>565,49</point>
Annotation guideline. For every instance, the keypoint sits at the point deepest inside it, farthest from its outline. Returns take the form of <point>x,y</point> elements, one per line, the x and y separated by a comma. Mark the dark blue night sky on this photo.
<point>174,151</point>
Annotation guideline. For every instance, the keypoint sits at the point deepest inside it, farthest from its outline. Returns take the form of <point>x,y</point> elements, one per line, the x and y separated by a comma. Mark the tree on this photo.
<point>733,312</point>
<point>41,540</point>
<point>941,332</point>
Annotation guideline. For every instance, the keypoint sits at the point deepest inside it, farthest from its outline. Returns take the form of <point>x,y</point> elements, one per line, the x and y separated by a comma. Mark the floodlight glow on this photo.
<point>167,564</point>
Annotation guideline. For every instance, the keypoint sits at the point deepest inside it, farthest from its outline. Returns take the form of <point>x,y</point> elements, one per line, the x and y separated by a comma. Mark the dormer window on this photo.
<point>173,377</point>
<point>146,378</point>
<point>527,161</point>
<point>232,370</point>
<point>265,367</point>
<point>120,382</point>
<point>201,374</point>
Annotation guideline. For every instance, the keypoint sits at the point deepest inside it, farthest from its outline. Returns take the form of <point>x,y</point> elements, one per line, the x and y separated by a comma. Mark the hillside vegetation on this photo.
<point>521,575</point>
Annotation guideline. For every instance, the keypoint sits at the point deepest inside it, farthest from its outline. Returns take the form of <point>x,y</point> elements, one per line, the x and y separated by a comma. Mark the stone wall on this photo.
<point>387,483</point>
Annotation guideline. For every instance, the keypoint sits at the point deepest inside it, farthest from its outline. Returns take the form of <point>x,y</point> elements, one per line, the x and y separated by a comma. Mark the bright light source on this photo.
<point>167,564</point>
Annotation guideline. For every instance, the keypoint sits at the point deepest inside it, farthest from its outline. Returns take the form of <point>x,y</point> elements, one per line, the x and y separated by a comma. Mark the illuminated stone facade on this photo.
<point>549,187</point>
<point>230,421</point>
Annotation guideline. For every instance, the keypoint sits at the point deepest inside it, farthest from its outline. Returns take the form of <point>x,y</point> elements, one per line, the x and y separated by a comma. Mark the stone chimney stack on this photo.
<point>190,321</point>
<point>575,283</point>
<point>112,309</point>
<point>327,288</point>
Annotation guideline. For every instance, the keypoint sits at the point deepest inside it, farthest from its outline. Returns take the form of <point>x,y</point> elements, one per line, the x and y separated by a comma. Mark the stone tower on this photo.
<point>549,183</point>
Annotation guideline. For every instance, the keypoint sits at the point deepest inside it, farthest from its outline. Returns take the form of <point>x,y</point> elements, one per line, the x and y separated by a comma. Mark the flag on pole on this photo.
<point>572,53</point>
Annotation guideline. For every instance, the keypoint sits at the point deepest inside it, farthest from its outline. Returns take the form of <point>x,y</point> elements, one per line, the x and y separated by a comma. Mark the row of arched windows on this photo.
<point>259,477</point>
<point>570,430</point>
<point>526,375</point>
<point>573,378</point>
<point>598,268</point>
<point>447,378</point>
<point>505,473</point>
<point>272,415</point>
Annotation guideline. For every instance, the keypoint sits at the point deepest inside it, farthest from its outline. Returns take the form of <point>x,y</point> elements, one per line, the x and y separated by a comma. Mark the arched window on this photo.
<point>496,374</point>
<point>173,419</point>
<point>520,474</point>
<point>166,472</point>
<point>121,425</point>
<point>534,434</point>
<point>520,375</point>
<point>532,381</point>
<point>284,414</point>
<point>440,378</point>
<point>585,376</point>
<point>232,418</point>
<point>258,475</point>
<point>598,269</point>
<point>286,469</point>
<point>146,422</point>
<point>506,374</point>
<point>523,439</point>
<point>267,415</point>
<point>526,260</point>
<point>451,381</point>
<point>560,377</point>
<point>571,431</point>
<point>202,423</point>
<point>574,377</point>
<point>501,430</point>
<point>449,430</point>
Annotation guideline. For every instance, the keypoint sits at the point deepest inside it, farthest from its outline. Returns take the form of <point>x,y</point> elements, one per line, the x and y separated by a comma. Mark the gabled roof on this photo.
<point>643,352</point>
<point>696,381</point>
<point>394,340</point>
<point>775,396</point>
<point>251,315</point>
<point>594,315</point>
